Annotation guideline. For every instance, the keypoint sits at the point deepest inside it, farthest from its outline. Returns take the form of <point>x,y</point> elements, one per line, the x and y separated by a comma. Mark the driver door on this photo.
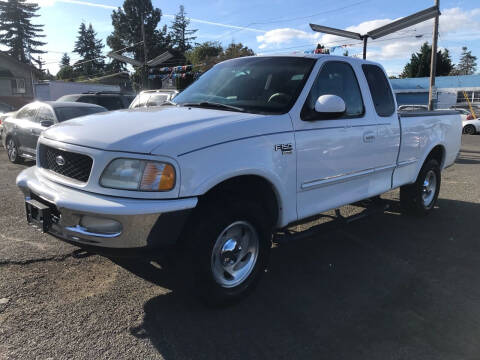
<point>329,173</point>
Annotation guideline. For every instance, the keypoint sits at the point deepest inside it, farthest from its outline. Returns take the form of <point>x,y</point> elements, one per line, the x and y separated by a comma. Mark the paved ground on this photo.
<point>386,287</point>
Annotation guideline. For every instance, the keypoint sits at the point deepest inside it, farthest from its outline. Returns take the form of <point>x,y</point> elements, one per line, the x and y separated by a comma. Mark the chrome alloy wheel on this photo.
<point>429,188</point>
<point>235,254</point>
<point>11,149</point>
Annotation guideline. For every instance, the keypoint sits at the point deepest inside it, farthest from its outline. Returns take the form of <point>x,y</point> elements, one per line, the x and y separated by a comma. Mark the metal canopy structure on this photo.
<point>152,63</point>
<point>405,22</point>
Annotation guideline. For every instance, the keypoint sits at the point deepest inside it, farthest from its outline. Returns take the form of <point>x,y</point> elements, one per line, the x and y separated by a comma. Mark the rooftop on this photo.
<point>460,81</point>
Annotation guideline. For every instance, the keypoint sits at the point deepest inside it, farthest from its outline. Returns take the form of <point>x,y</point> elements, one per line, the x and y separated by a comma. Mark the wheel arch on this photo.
<point>437,152</point>
<point>252,186</point>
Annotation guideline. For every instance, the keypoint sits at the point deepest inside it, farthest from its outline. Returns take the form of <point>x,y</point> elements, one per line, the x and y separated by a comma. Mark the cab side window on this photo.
<point>335,78</point>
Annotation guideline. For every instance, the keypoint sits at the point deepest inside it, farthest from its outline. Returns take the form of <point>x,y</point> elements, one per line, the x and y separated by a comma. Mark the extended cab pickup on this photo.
<point>255,144</point>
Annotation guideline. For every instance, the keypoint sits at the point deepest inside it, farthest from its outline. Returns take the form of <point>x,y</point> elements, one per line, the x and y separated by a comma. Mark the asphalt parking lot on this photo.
<point>385,287</point>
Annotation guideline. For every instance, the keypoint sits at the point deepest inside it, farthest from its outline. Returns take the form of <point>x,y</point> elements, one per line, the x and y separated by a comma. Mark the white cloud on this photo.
<point>285,36</point>
<point>455,25</point>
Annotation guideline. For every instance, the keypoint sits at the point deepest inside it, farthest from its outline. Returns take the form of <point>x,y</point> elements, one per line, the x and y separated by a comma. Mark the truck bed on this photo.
<point>427,113</point>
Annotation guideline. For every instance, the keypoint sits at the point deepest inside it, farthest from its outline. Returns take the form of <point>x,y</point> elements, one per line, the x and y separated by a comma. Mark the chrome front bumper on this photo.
<point>140,222</point>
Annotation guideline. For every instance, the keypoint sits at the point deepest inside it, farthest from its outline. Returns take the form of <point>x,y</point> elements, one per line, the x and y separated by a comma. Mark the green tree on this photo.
<point>90,50</point>
<point>419,64</point>
<point>66,71</point>
<point>65,61</point>
<point>127,30</point>
<point>182,36</point>
<point>467,64</point>
<point>17,32</point>
<point>236,50</point>
<point>205,54</point>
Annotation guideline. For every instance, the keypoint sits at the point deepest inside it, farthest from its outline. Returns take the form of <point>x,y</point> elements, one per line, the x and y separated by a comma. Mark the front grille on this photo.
<point>75,166</point>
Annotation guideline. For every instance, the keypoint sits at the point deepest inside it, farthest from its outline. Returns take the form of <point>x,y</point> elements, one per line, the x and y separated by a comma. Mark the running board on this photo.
<point>372,207</point>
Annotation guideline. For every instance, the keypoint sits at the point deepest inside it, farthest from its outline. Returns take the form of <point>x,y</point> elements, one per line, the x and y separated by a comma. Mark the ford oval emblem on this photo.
<point>60,160</point>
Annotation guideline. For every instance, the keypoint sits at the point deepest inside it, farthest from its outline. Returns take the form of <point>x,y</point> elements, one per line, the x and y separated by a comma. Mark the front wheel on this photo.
<point>229,245</point>
<point>469,130</point>
<point>12,151</point>
<point>420,197</point>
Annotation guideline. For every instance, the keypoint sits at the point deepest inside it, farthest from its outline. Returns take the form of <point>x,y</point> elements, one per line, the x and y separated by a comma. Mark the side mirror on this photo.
<point>330,106</point>
<point>46,123</point>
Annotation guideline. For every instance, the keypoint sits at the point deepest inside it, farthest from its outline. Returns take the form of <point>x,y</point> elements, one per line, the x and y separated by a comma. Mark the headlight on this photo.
<point>140,175</point>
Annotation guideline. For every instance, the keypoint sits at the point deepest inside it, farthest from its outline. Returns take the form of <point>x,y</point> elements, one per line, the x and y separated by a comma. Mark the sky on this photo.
<point>279,25</point>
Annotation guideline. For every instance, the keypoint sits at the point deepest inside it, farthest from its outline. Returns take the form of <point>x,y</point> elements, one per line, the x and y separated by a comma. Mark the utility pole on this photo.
<point>365,38</point>
<point>145,55</point>
<point>433,63</point>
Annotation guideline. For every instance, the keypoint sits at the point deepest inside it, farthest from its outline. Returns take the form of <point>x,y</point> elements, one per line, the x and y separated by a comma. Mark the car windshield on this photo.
<point>264,85</point>
<point>67,113</point>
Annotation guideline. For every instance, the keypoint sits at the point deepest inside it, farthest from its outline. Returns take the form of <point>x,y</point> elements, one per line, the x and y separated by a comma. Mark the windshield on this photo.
<point>149,99</point>
<point>67,113</point>
<point>265,85</point>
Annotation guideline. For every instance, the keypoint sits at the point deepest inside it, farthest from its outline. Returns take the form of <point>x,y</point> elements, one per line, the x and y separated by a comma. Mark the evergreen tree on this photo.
<point>127,31</point>
<point>182,37</point>
<point>419,64</point>
<point>65,61</point>
<point>467,64</point>
<point>17,32</point>
<point>90,50</point>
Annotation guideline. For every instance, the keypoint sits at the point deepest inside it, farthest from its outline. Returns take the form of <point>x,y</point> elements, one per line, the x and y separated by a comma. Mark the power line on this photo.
<point>103,56</point>
<point>296,18</point>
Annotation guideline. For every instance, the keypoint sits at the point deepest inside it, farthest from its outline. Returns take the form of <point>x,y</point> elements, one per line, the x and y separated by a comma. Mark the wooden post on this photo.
<point>145,55</point>
<point>433,62</point>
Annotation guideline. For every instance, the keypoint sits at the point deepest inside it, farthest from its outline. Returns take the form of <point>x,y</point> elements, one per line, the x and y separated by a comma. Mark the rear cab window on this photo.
<point>380,89</point>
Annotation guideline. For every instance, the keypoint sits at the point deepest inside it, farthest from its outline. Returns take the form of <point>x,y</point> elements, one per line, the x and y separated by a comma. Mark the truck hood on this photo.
<point>163,130</point>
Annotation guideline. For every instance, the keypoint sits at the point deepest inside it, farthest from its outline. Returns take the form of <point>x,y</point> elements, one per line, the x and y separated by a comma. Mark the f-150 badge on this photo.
<point>284,148</point>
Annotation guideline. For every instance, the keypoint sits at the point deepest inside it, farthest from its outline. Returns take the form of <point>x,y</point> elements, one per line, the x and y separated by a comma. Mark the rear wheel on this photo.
<point>12,151</point>
<point>420,197</point>
<point>229,243</point>
<point>469,130</point>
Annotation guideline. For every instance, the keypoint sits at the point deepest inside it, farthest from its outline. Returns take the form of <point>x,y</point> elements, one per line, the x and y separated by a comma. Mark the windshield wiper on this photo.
<point>208,104</point>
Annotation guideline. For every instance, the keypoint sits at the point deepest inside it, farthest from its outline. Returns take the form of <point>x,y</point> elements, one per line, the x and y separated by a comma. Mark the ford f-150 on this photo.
<point>255,144</point>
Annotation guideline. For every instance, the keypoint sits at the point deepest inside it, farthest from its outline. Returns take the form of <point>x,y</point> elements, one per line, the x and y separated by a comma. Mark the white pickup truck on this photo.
<point>255,144</point>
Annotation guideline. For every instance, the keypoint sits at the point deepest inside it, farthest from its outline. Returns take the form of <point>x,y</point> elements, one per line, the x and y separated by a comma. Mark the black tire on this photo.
<point>469,130</point>
<point>209,221</point>
<point>420,197</point>
<point>12,151</point>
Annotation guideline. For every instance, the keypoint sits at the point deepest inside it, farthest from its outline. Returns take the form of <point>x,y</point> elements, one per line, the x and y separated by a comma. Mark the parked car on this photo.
<point>5,108</point>
<point>150,98</point>
<point>21,130</point>
<point>109,100</point>
<point>471,127</point>
<point>413,107</point>
<point>2,119</point>
<point>475,108</point>
<point>254,145</point>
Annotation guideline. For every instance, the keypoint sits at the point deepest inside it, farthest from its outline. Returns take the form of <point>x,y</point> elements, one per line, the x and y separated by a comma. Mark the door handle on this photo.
<point>369,136</point>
